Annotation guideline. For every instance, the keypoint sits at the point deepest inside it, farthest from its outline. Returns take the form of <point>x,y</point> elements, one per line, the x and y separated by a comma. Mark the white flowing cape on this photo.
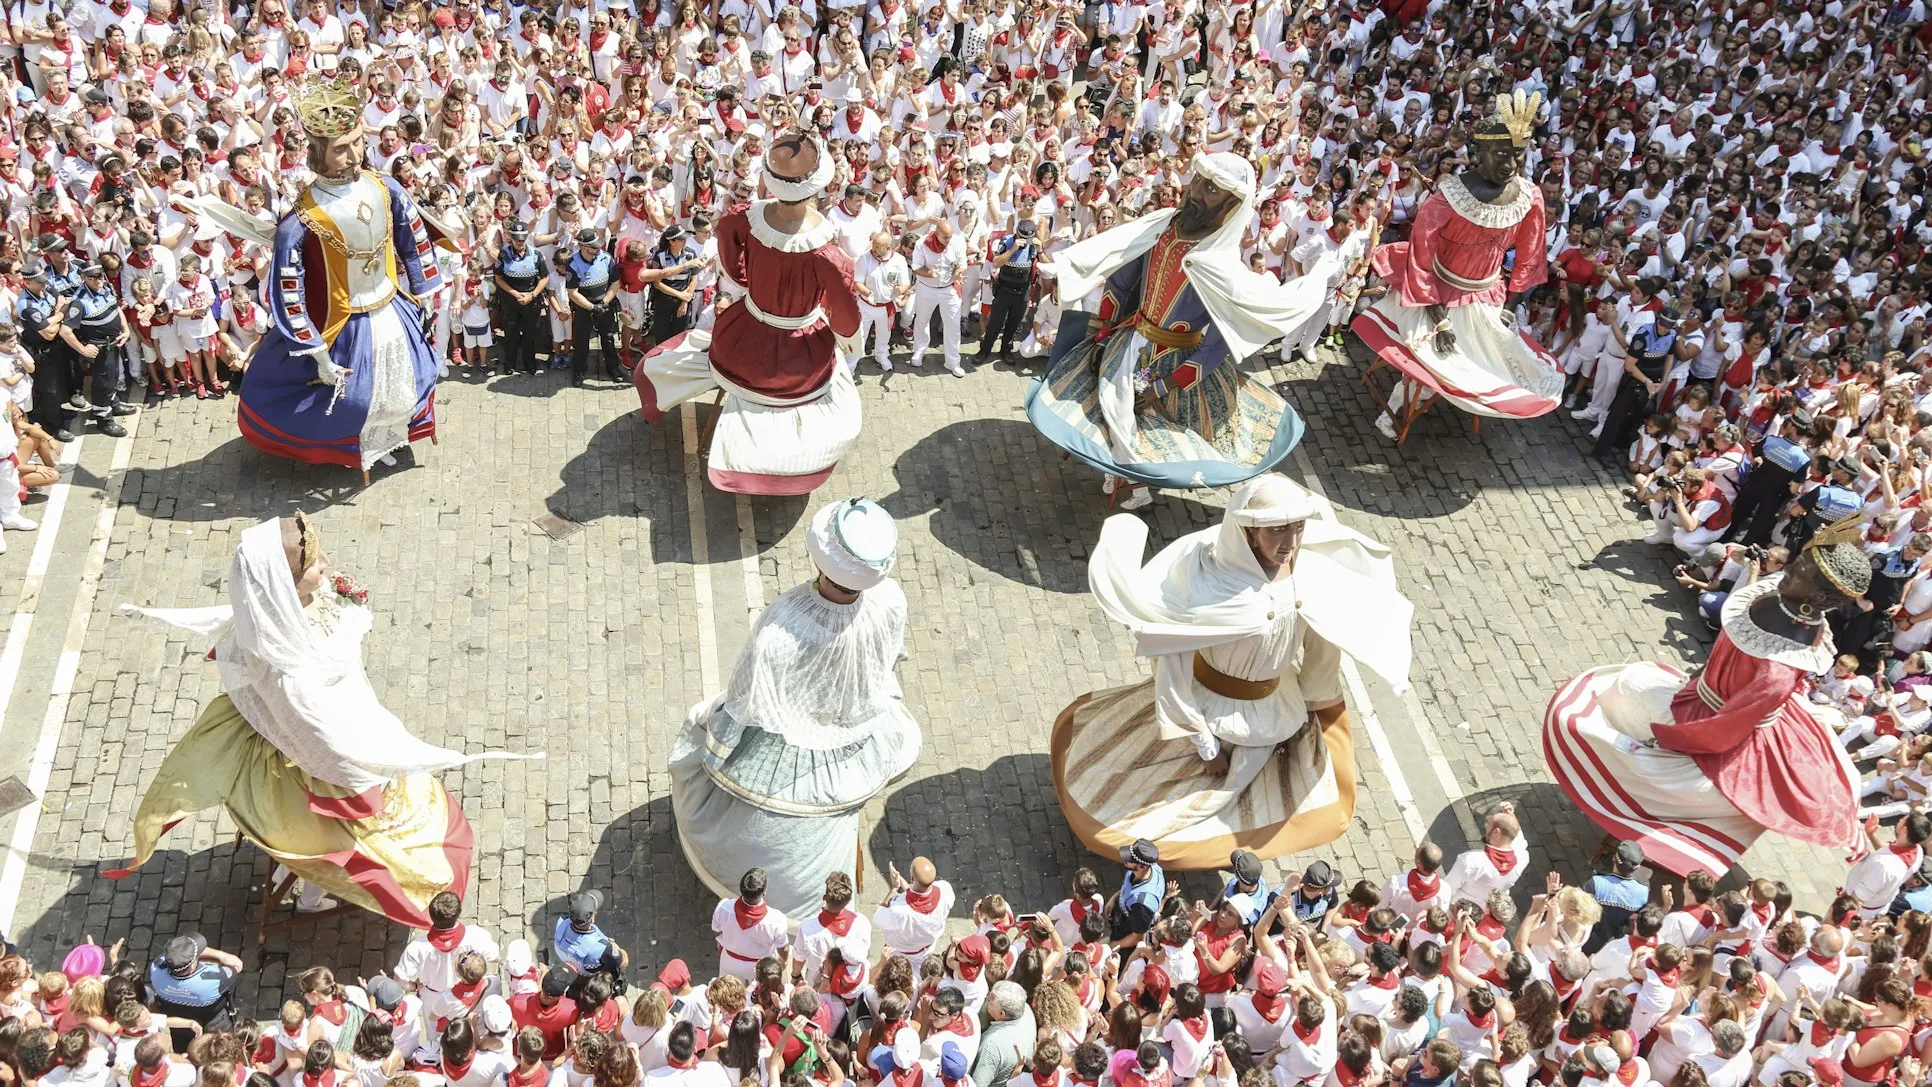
<point>1251,310</point>
<point>1205,589</point>
<point>314,705</point>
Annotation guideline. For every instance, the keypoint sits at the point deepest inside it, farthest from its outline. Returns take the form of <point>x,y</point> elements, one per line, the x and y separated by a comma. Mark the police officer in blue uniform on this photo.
<point>1653,350</point>
<point>590,277</point>
<point>190,980</point>
<point>40,311</point>
<point>94,332</point>
<point>1138,903</point>
<point>1013,259</point>
<point>521,278</point>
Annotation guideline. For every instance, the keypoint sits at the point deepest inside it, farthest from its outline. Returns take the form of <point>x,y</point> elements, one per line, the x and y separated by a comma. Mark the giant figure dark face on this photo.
<point>1204,207</point>
<point>1496,161</point>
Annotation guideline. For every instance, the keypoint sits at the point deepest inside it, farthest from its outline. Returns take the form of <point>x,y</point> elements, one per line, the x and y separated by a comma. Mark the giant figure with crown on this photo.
<point>344,374</point>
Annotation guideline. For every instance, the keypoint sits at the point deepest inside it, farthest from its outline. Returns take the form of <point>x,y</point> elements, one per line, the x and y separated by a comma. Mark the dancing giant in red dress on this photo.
<point>1694,768</point>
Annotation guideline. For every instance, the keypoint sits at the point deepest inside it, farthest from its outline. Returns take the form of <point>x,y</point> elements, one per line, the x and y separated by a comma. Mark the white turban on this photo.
<point>1228,170</point>
<point>1276,500</point>
<point>793,191</point>
<point>854,542</point>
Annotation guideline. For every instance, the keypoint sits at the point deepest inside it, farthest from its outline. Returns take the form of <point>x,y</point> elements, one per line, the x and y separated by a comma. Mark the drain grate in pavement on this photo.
<point>558,527</point>
<point>14,795</point>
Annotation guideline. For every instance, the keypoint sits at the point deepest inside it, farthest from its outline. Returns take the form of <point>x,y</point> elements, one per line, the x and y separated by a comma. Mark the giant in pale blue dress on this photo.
<point>773,771</point>
<point>344,374</point>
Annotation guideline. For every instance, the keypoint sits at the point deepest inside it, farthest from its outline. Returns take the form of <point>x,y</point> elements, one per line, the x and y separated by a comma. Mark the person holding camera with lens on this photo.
<point>1726,569</point>
<point>1691,510</point>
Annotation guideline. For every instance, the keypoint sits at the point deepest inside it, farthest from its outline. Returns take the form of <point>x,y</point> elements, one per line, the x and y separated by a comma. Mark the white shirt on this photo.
<point>1474,875</point>
<point>1876,879</point>
<point>814,940</point>
<point>765,937</point>
<point>1396,896</point>
<point>909,931</point>
<point>435,971</point>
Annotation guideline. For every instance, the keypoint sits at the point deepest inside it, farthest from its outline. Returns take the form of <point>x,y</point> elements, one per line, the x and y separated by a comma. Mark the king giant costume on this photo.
<point>790,410</point>
<point>1149,389</point>
<point>772,771</point>
<point>299,750</point>
<point>344,374</point>
<point>1240,740</point>
<point>1694,768</point>
<point>1443,324</point>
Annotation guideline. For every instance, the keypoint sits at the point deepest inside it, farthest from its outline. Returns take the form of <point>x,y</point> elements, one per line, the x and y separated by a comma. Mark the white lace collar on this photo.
<point>1755,641</point>
<point>1495,216</point>
<point>802,242</point>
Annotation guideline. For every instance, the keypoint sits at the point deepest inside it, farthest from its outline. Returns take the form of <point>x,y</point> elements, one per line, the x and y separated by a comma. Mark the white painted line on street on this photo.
<point>45,539</point>
<point>65,669</point>
<point>700,551</point>
<point>1365,714</point>
<point>748,555</point>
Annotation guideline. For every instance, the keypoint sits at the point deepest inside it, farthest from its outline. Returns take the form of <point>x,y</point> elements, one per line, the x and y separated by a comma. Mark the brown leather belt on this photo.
<point>1227,686</point>
<point>1167,338</point>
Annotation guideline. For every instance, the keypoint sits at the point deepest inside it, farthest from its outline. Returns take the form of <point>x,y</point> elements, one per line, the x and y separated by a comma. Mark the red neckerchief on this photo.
<point>1270,1006</point>
<point>927,900</point>
<point>327,1078</point>
<point>1483,1023</point>
<point>1489,927</point>
<point>908,1077</point>
<point>1354,911</point>
<point>961,1024</point>
<point>1669,977</point>
<point>1763,912</point>
<point>1700,914</point>
<point>1828,962</point>
<point>1821,1034</point>
<point>1563,986</point>
<point>332,1010</point>
<point>1345,1076</point>
<point>1197,1026</point>
<point>1503,859</point>
<point>1627,1074</point>
<point>684,1065</point>
<point>839,923</point>
<point>1079,907</point>
<point>1306,1034</point>
<point>1908,852</point>
<point>446,939</point>
<point>536,1075</point>
<point>747,916</point>
<point>847,979</point>
<point>154,1077</point>
<point>1389,980</point>
<point>1051,1080</point>
<point>468,992</point>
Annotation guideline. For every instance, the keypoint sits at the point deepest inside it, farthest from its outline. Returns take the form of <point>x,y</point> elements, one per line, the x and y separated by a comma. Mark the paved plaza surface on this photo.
<point>1522,560</point>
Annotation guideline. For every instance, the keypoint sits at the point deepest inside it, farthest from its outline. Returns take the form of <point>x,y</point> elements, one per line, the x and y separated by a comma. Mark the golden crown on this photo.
<point>1516,113</point>
<point>328,106</point>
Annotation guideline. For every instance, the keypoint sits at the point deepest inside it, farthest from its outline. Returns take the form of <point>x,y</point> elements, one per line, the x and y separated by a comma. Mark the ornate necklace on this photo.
<point>1803,616</point>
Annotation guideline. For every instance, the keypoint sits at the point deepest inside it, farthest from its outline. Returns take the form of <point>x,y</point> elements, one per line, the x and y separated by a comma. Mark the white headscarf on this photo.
<point>305,694</point>
<point>1250,310</point>
<point>1207,589</point>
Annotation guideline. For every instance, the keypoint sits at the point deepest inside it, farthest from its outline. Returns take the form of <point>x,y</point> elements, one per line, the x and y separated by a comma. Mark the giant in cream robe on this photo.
<point>1238,660</point>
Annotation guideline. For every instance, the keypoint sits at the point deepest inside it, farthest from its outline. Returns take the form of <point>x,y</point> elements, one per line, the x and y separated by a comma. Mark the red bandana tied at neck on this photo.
<point>927,900</point>
<point>839,923</point>
<point>446,939</point>
<point>747,915</point>
<point>1503,859</point>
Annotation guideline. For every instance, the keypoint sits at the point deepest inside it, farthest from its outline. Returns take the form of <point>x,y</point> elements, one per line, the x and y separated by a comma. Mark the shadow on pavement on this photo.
<point>239,481</point>
<point>654,905</point>
<point>1034,521</point>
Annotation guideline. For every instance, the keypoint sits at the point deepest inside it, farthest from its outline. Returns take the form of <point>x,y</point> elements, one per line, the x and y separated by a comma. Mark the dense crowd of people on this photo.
<point>1429,976</point>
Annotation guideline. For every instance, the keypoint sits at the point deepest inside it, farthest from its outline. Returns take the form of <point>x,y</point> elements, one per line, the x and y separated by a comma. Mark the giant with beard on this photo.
<point>1146,388</point>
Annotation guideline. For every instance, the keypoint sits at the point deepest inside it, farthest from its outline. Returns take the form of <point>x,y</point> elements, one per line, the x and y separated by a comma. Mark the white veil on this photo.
<point>307,695</point>
<point>1206,588</point>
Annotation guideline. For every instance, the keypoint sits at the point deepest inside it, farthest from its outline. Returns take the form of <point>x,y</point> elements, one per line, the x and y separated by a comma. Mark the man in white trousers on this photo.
<point>884,285</point>
<point>939,269</point>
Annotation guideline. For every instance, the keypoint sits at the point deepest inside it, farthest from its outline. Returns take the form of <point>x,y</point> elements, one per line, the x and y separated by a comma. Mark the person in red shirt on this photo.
<point>548,1010</point>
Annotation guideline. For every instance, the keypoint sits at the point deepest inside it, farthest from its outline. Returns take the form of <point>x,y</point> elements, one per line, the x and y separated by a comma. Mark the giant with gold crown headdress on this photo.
<point>328,106</point>
<point>1836,550</point>
<point>1514,119</point>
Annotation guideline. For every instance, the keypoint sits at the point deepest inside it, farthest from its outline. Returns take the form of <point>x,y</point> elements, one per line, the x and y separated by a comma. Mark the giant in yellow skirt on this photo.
<point>388,850</point>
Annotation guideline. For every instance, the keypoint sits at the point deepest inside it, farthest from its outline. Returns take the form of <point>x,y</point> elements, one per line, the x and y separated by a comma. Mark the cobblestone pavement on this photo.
<point>1520,556</point>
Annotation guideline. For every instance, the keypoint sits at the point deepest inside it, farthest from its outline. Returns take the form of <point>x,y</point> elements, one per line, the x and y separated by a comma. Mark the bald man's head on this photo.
<point>881,244</point>
<point>923,873</point>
